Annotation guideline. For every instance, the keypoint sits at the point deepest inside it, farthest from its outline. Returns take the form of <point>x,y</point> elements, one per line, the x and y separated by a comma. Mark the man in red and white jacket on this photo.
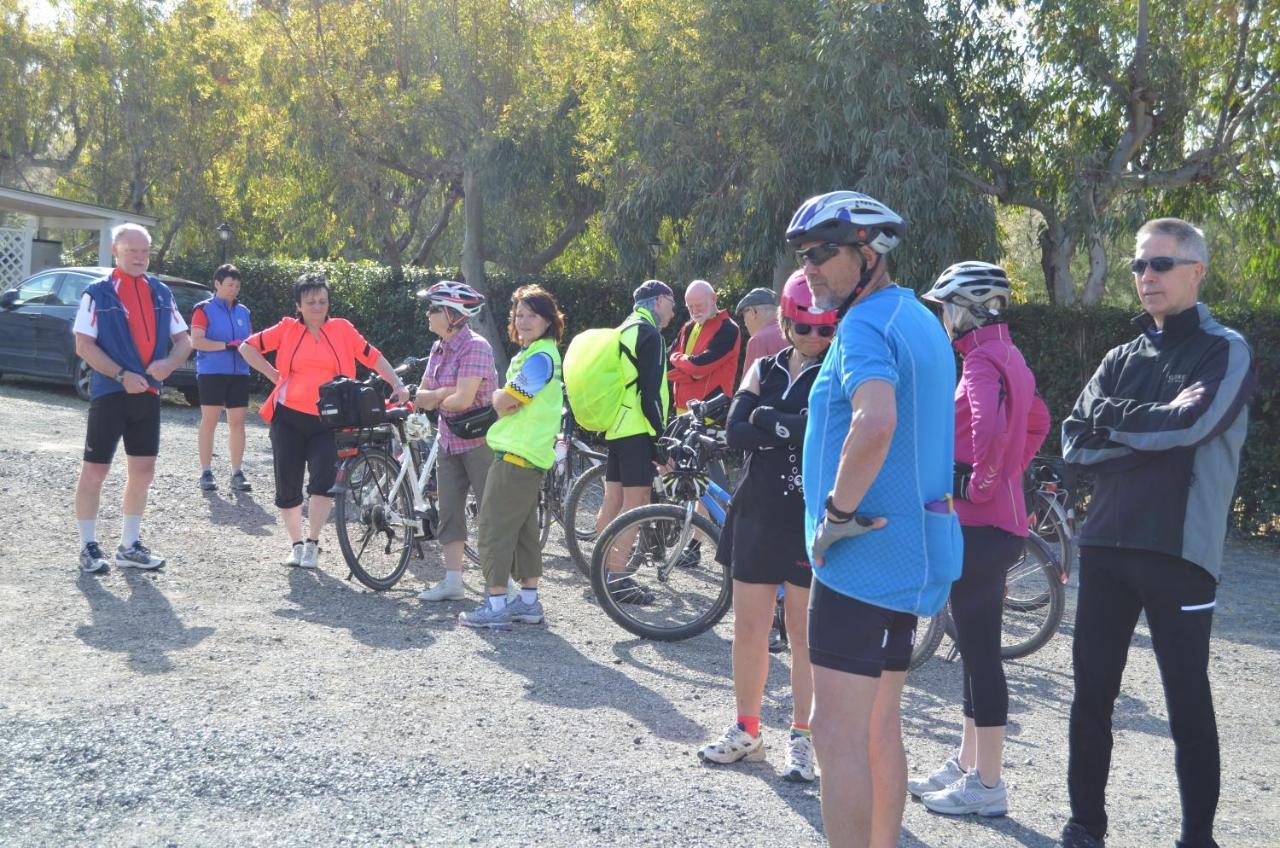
<point>704,360</point>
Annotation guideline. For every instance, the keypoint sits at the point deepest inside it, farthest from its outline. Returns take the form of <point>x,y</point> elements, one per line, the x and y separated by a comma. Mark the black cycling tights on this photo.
<point>977,600</point>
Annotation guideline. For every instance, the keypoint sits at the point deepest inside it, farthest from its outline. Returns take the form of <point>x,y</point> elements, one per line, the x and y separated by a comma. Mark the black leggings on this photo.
<point>977,602</point>
<point>301,442</point>
<point>1116,585</point>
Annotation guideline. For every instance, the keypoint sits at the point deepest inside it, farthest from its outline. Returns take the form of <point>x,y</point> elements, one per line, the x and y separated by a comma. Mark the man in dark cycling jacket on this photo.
<point>1159,427</point>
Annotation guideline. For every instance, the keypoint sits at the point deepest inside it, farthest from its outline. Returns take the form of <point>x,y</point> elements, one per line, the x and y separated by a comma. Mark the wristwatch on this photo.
<point>838,514</point>
<point>120,375</point>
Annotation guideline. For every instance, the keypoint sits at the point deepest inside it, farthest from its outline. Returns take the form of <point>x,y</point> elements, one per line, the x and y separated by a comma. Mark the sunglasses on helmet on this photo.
<point>825,331</point>
<point>818,254</point>
<point>1159,264</point>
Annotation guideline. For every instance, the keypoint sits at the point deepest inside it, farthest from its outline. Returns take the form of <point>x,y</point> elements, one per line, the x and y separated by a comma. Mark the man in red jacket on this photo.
<point>704,360</point>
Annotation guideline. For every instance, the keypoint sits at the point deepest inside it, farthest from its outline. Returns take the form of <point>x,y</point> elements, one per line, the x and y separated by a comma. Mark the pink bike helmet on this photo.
<point>797,303</point>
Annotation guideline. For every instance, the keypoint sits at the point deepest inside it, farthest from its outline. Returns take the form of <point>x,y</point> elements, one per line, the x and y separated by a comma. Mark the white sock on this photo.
<point>131,531</point>
<point>497,603</point>
<point>529,596</point>
<point>235,469</point>
<point>88,530</point>
<point>451,579</point>
<point>206,469</point>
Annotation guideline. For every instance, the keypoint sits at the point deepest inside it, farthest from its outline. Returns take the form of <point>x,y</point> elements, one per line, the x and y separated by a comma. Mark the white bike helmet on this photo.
<point>973,294</point>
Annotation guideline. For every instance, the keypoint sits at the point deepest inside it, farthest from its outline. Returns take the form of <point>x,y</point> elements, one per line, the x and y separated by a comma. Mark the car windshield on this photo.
<point>188,296</point>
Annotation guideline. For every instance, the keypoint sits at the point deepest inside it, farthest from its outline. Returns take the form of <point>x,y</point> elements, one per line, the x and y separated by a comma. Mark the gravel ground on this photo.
<point>228,700</point>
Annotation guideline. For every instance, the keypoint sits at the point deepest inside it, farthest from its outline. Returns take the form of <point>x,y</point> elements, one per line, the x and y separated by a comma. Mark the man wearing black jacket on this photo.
<point>1159,426</point>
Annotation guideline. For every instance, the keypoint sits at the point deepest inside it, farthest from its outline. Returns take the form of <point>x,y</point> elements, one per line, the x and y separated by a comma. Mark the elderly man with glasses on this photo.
<point>1159,426</point>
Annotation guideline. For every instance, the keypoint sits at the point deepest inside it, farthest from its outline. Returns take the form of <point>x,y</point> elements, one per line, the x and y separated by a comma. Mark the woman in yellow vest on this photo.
<point>523,443</point>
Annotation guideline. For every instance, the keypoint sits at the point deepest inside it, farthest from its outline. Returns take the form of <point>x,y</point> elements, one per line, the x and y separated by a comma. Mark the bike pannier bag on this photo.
<point>349,403</point>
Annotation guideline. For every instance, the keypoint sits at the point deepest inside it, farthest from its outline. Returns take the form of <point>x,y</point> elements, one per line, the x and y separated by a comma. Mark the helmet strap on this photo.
<point>864,279</point>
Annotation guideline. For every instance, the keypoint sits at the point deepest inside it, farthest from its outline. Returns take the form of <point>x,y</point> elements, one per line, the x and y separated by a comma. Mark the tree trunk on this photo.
<point>784,265</point>
<point>1095,285</point>
<point>1056,248</point>
<point>493,319</point>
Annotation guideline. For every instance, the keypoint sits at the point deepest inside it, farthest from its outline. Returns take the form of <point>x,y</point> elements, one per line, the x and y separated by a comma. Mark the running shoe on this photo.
<point>800,760</point>
<point>1075,836</point>
<point>443,591</point>
<point>91,559</point>
<point>625,590</point>
<point>310,554</point>
<point>967,796</point>
<point>524,613</point>
<point>207,482</point>
<point>485,616</point>
<point>692,555</point>
<point>239,483</point>
<point>733,745</point>
<point>947,774</point>
<point>295,555</point>
<point>137,555</point>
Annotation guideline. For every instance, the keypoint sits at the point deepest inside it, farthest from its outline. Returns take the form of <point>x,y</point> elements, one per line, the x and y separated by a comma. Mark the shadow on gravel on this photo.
<point>143,626</point>
<point>377,619</point>
<point>241,511</point>
<point>560,675</point>
<point>706,653</point>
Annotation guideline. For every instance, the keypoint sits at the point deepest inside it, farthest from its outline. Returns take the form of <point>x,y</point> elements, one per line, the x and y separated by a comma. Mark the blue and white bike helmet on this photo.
<point>847,217</point>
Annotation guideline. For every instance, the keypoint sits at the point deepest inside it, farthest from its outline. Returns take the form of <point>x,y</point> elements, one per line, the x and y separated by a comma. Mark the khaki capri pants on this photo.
<point>508,538</point>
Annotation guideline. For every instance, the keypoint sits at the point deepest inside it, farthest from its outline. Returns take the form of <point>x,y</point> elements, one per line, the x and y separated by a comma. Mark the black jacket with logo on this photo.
<point>1164,474</point>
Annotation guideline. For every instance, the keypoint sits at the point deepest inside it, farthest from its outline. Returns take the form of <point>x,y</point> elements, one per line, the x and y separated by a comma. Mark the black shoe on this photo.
<point>1075,836</point>
<point>239,483</point>
<point>692,556</point>
<point>207,482</point>
<point>626,590</point>
<point>777,642</point>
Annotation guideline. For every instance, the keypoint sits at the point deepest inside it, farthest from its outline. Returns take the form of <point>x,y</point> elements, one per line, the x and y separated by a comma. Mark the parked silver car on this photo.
<point>36,317</point>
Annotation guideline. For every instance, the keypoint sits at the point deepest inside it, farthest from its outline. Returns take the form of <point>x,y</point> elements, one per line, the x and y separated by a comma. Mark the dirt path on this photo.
<point>228,700</point>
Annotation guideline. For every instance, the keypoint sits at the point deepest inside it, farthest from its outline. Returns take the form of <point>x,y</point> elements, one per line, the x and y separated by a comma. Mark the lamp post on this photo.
<point>655,247</point>
<point>224,235</point>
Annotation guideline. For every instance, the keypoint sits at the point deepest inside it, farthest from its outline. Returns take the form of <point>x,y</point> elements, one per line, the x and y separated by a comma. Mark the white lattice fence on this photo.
<point>15,246</point>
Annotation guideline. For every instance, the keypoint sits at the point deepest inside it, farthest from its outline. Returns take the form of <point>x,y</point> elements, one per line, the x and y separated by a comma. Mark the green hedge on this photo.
<point>1063,346</point>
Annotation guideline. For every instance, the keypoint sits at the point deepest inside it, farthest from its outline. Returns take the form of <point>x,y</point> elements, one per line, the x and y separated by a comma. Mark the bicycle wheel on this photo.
<point>691,591</point>
<point>375,524</point>
<point>1028,624</point>
<point>928,636</point>
<point>580,511</point>
<point>1048,520</point>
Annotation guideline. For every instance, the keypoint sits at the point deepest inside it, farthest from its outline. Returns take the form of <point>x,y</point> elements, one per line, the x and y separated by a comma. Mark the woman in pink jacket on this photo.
<point>1000,424</point>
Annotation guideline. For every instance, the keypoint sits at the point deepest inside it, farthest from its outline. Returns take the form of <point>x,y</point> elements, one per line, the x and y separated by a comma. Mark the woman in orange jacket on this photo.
<point>311,350</point>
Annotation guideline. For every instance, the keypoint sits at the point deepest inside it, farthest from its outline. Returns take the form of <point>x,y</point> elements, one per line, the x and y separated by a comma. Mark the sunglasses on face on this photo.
<point>818,254</point>
<point>825,331</point>
<point>1159,264</point>
<point>435,310</point>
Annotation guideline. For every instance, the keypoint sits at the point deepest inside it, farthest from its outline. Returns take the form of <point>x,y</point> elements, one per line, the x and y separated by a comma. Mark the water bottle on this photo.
<point>562,451</point>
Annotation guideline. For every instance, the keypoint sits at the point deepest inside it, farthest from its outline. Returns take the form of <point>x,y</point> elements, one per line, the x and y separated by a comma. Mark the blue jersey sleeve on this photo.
<point>866,353</point>
<point>533,377</point>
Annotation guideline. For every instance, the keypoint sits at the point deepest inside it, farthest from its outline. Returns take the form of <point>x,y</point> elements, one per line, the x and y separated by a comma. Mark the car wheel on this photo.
<point>83,375</point>
<point>192,394</point>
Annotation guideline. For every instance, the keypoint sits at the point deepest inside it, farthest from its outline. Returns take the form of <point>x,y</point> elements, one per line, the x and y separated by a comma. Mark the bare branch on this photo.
<point>437,229</point>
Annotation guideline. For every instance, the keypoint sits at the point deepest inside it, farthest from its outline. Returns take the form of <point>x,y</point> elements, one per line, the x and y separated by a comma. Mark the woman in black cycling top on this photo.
<point>763,536</point>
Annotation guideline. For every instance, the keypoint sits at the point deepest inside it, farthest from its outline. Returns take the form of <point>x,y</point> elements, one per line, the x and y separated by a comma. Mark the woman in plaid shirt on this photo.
<point>459,378</point>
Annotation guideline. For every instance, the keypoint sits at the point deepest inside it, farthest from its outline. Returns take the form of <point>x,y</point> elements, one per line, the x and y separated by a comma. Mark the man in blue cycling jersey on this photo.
<point>883,540</point>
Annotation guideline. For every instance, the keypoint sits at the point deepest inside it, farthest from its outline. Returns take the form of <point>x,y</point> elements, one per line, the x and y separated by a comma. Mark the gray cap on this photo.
<point>757,297</point>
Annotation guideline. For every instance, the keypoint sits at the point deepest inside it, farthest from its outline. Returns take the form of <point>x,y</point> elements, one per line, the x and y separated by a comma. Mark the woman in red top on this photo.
<point>310,351</point>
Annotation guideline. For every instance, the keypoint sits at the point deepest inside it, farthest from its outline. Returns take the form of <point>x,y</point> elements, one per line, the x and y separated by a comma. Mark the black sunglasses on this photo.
<point>1159,264</point>
<point>826,331</point>
<point>818,254</point>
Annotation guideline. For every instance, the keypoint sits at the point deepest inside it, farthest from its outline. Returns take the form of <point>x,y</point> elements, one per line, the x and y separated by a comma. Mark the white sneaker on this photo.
<point>445,590</point>
<point>968,795</point>
<point>735,744</point>
<point>799,767</point>
<point>310,554</point>
<point>295,555</point>
<point>947,774</point>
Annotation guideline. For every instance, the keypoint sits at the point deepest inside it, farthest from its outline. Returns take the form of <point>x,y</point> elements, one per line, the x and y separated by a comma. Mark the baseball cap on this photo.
<point>757,297</point>
<point>651,288</point>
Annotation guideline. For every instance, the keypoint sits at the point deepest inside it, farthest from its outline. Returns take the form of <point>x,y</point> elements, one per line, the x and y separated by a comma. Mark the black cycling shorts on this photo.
<point>301,443</point>
<point>229,390</point>
<point>852,636</point>
<point>120,415</point>
<point>630,460</point>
